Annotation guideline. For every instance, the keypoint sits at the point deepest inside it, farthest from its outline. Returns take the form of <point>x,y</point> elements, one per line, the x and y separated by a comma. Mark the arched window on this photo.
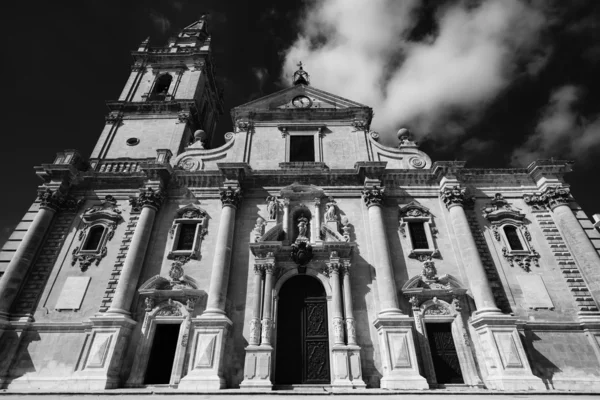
<point>513,238</point>
<point>161,87</point>
<point>94,237</point>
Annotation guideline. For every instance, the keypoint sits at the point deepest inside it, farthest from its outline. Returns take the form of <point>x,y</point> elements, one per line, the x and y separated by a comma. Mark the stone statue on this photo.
<point>330,214</point>
<point>272,207</point>
<point>302,226</point>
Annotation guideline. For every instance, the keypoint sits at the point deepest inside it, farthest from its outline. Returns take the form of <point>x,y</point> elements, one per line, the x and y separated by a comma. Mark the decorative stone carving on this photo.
<point>373,196</point>
<point>114,117</point>
<point>267,326</point>
<point>454,196</point>
<point>404,140</point>
<point>188,215</point>
<point>499,210</point>
<point>429,271</point>
<point>436,309</point>
<point>351,330</point>
<point>456,303</point>
<point>301,253</point>
<point>374,135</point>
<point>551,198</point>
<point>417,162</point>
<point>415,213</point>
<point>330,214</point>
<point>272,207</point>
<point>259,228</point>
<point>338,330</point>
<point>56,201</point>
<point>190,303</point>
<point>522,260</point>
<point>147,198</point>
<point>360,125</point>
<point>414,301</point>
<point>230,196</point>
<point>243,125</point>
<point>85,260</point>
<point>149,302</point>
<point>345,228</point>
<point>255,331</point>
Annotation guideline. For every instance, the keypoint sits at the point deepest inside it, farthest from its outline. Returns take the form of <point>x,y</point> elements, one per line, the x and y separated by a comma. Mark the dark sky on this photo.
<point>63,60</point>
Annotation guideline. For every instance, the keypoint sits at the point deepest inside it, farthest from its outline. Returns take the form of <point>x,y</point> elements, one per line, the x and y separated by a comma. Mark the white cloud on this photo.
<point>560,131</point>
<point>363,51</point>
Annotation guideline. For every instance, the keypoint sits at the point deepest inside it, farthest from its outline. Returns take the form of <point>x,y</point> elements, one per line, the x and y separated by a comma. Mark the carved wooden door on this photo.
<point>443,353</point>
<point>302,333</point>
<point>316,346</point>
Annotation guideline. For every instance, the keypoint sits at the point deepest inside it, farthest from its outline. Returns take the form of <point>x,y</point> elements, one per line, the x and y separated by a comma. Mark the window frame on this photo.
<point>499,228</point>
<point>317,131</point>
<point>188,215</point>
<point>416,213</point>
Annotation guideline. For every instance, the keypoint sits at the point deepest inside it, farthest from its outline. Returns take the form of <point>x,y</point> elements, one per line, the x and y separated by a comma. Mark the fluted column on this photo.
<point>286,219</point>
<point>333,267</point>
<point>557,199</point>
<point>219,278</point>
<point>454,199</point>
<point>388,300</point>
<point>255,325</point>
<point>267,321</point>
<point>17,269</point>
<point>149,202</point>
<point>348,311</point>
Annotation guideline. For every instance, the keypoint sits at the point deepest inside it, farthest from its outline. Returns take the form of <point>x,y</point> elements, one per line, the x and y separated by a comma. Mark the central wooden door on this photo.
<point>302,333</point>
<point>443,352</point>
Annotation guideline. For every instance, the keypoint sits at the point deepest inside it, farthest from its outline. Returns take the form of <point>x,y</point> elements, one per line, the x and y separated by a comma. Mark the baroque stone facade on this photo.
<point>301,251</point>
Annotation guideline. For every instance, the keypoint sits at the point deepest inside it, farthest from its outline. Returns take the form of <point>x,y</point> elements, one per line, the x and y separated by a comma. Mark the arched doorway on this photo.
<point>302,333</point>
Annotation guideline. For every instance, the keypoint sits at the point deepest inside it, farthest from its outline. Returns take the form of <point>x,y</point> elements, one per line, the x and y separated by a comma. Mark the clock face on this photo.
<point>301,102</point>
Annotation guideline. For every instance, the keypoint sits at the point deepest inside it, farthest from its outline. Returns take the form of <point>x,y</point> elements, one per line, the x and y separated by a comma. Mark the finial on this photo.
<point>301,77</point>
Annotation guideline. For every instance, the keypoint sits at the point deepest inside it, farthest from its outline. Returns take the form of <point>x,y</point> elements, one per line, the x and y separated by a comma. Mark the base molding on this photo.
<point>257,368</point>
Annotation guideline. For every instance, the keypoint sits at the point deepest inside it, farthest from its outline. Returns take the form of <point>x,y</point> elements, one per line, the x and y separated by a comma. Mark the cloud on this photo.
<point>561,131</point>
<point>433,84</point>
<point>161,23</point>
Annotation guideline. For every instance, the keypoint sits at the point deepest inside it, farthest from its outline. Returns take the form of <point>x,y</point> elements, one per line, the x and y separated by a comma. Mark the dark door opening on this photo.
<point>162,354</point>
<point>443,353</point>
<point>302,148</point>
<point>302,333</point>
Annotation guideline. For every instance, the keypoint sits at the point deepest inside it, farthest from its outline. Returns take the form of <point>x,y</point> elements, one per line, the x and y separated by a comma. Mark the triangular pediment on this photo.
<point>307,97</point>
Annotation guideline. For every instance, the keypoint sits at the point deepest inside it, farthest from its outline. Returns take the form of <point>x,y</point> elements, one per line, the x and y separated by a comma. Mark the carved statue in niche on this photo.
<point>272,207</point>
<point>330,214</point>
<point>302,227</point>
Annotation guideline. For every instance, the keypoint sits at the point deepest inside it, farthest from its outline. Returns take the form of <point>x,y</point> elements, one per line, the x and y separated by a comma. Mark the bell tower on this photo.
<point>170,93</point>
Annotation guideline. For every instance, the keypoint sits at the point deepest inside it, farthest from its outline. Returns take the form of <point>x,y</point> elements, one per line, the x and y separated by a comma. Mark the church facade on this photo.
<point>301,252</point>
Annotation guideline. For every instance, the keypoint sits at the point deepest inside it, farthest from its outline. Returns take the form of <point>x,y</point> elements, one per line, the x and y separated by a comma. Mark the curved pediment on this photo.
<point>158,282</point>
<point>198,159</point>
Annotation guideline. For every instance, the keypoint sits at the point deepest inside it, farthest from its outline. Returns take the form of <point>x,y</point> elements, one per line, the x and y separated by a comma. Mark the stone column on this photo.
<point>217,292</point>
<point>454,199</point>
<point>267,321</point>
<point>286,220</point>
<point>257,364</point>
<point>557,199</point>
<point>348,311</point>
<point>333,268</point>
<point>316,226</point>
<point>205,369</point>
<point>255,321</point>
<point>149,201</point>
<point>502,352</point>
<point>388,300</point>
<point>395,330</point>
<point>17,269</point>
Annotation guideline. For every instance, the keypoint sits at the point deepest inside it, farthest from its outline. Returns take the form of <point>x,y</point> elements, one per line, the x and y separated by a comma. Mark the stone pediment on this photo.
<point>284,100</point>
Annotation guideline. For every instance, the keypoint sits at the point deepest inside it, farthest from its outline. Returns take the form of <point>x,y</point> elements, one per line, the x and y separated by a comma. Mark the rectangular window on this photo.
<point>302,148</point>
<point>418,235</point>
<point>187,234</point>
<point>513,238</point>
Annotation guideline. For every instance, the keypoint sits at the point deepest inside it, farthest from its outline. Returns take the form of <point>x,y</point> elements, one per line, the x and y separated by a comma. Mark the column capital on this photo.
<point>147,198</point>
<point>231,196</point>
<point>453,196</point>
<point>55,201</point>
<point>373,196</point>
<point>551,197</point>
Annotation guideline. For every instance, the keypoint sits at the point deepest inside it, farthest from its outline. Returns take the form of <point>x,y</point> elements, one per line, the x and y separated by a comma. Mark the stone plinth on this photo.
<point>502,355</point>
<point>257,368</point>
<point>205,366</point>
<point>347,372</point>
<point>398,353</point>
